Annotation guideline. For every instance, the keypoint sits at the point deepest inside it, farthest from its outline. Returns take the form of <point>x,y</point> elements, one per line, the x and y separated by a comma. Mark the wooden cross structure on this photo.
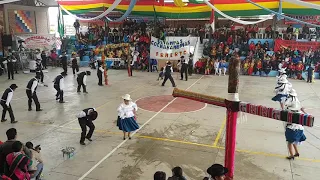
<point>234,105</point>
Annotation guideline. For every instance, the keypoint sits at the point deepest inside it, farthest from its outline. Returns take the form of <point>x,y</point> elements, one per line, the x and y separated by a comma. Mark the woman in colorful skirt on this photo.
<point>126,116</point>
<point>282,90</point>
<point>294,132</point>
<point>18,163</point>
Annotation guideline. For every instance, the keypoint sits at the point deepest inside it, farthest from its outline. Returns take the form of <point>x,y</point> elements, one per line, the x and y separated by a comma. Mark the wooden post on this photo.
<point>232,104</point>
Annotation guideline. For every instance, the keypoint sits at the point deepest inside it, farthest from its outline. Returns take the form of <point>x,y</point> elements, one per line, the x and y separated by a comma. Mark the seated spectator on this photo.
<point>299,69</point>
<point>217,172</point>
<point>222,67</point>
<point>245,67</point>
<point>252,46</point>
<point>268,31</point>
<point>37,162</point>
<point>159,175</point>
<point>18,163</point>
<point>291,69</point>
<point>267,67</point>
<point>6,148</point>
<point>295,59</point>
<point>177,174</point>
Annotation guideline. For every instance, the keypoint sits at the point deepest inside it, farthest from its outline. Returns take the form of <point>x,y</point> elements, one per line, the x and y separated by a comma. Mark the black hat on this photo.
<point>217,170</point>
<point>93,115</point>
<point>63,73</point>
<point>168,62</point>
<point>88,73</point>
<point>182,57</point>
<point>38,76</point>
<point>13,86</point>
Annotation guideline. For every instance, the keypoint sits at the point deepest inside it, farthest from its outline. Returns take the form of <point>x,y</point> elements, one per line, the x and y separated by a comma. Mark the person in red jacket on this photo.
<point>230,40</point>
<point>252,46</point>
<point>299,69</point>
<point>291,69</point>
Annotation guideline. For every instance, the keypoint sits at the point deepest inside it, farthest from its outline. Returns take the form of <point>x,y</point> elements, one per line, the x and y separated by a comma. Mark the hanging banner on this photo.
<point>302,46</point>
<point>308,19</point>
<point>172,48</point>
<point>43,42</point>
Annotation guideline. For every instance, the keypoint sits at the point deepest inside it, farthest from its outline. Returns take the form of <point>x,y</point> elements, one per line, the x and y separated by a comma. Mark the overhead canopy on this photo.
<point>7,1</point>
<point>169,10</point>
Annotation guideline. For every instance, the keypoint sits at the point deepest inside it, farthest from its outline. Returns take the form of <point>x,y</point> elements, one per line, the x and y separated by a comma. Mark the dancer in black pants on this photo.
<point>32,94</point>
<point>86,118</point>
<point>82,81</point>
<point>44,58</point>
<point>75,66</point>
<point>167,74</point>
<point>39,71</point>
<point>100,71</point>
<point>6,105</point>
<point>184,68</point>
<point>64,62</point>
<point>10,65</point>
<point>58,84</point>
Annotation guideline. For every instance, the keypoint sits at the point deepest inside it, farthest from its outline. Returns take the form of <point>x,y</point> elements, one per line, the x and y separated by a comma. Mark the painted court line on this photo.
<point>124,141</point>
<point>203,145</point>
<point>219,133</point>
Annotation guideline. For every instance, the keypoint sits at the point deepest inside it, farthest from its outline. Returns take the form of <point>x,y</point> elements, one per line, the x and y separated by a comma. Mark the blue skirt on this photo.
<point>279,97</point>
<point>127,124</point>
<point>295,136</point>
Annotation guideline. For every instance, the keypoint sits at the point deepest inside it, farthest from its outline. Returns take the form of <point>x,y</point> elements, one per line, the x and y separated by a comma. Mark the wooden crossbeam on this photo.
<point>259,110</point>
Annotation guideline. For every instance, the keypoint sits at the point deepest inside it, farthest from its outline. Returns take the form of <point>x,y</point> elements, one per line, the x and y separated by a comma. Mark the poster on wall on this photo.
<point>22,21</point>
<point>43,42</point>
<point>172,48</point>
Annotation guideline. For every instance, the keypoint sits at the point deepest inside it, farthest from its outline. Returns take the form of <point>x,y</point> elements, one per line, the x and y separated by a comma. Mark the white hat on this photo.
<point>127,97</point>
<point>283,80</point>
<point>293,92</point>
<point>295,106</point>
<point>282,70</point>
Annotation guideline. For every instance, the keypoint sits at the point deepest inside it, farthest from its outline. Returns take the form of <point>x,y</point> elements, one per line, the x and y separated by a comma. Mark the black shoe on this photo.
<point>162,85</point>
<point>13,122</point>
<point>129,137</point>
<point>124,138</point>
<point>290,157</point>
<point>79,91</point>
<point>85,92</point>
<point>89,139</point>
<point>297,155</point>
<point>61,101</point>
<point>29,109</point>
<point>57,98</point>
<point>82,143</point>
<point>39,110</point>
<point>3,120</point>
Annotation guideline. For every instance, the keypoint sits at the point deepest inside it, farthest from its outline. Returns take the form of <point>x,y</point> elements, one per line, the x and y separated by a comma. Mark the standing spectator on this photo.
<point>76,25</point>
<point>268,31</point>
<point>310,74</point>
<point>44,59</point>
<point>305,31</point>
<point>177,174</point>
<point>291,70</point>
<point>53,57</point>
<point>289,31</point>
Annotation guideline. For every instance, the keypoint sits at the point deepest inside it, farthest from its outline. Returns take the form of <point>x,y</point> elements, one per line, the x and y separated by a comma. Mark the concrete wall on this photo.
<point>39,19</point>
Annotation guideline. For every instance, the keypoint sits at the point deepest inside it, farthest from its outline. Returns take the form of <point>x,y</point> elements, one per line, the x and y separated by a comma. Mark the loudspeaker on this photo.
<point>6,40</point>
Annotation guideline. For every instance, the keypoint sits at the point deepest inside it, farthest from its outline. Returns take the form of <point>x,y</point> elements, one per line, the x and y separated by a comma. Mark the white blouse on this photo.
<point>127,111</point>
<point>283,88</point>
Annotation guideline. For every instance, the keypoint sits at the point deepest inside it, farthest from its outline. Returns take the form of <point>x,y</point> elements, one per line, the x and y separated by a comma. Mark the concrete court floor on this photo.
<point>193,140</point>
